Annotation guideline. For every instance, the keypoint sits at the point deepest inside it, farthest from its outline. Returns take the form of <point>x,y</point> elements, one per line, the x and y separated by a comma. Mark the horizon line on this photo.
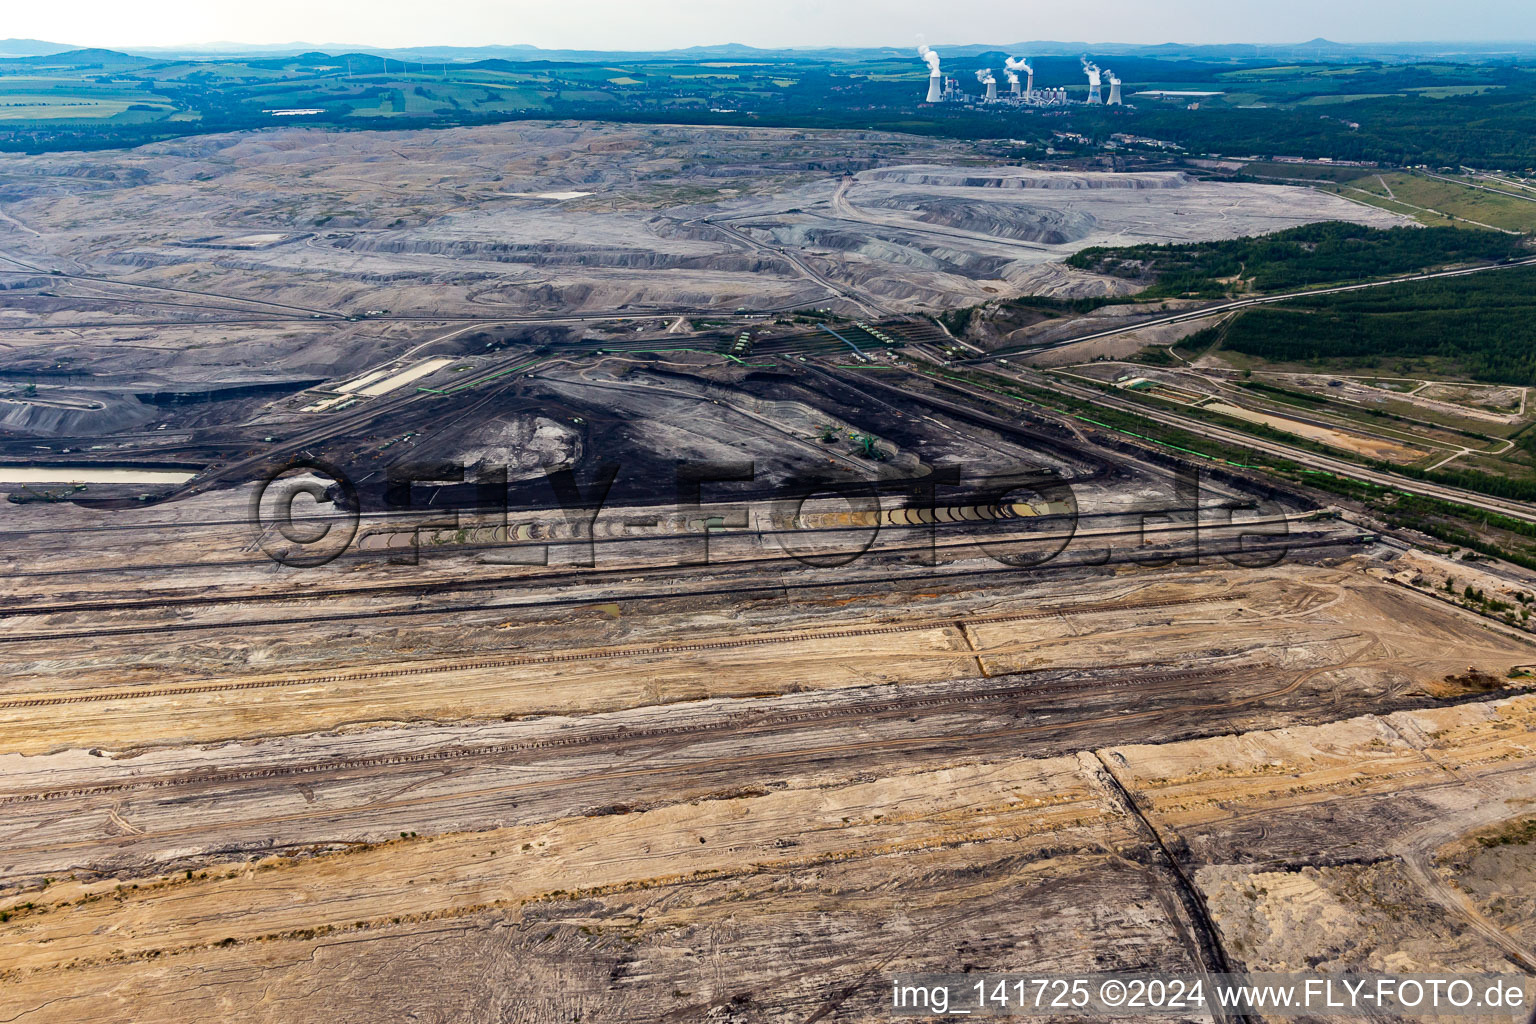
<point>318,47</point>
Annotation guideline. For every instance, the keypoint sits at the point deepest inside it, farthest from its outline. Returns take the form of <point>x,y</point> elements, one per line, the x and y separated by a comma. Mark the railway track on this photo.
<point>734,722</point>
<point>494,546</point>
<point>568,657</point>
<point>529,579</point>
<point>1284,546</point>
<point>1061,448</point>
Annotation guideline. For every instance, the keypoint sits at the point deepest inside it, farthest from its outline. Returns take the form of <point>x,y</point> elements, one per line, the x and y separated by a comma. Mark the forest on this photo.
<point>1481,326</point>
<point>1315,254</point>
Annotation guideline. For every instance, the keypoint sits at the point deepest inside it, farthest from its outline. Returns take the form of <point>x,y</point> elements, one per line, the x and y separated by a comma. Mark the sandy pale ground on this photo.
<point>257,934</point>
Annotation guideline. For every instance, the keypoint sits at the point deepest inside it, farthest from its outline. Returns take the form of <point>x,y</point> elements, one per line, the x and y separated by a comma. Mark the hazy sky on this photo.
<point>658,24</point>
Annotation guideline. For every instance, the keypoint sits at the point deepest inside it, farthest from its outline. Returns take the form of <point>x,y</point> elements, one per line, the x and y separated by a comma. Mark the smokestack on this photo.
<point>1014,66</point>
<point>1094,81</point>
<point>1114,90</point>
<point>935,76</point>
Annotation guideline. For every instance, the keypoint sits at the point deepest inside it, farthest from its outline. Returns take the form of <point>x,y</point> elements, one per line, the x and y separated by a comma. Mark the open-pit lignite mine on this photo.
<point>663,623</point>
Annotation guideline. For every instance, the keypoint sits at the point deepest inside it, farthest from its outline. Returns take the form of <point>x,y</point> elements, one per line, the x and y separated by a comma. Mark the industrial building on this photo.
<point>1021,91</point>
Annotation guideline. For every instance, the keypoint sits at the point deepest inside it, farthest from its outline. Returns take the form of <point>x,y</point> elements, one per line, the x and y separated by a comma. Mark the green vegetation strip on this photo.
<point>1515,834</point>
<point>1240,425</point>
<point>1513,488</point>
<point>476,383</point>
<point>1071,407</point>
<point>1244,458</point>
<point>1446,521</point>
<point>1316,254</point>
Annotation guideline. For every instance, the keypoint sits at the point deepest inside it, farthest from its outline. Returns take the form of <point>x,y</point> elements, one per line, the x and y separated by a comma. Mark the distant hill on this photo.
<point>1315,49</point>
<point>228,49</point>
<point>81,58</point>
<point>30,48</point>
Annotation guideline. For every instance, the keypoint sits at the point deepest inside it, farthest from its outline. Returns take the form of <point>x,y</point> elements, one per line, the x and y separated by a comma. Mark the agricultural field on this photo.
<point>1395,114</point>
<point>1270,169</point>
<point>21,106</point>
<point>1434,199</point>
<point>42,96</point>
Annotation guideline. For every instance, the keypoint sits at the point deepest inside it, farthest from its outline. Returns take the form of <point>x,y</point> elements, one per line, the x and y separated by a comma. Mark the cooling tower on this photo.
<point>935,76</point>
<point>985,78</point>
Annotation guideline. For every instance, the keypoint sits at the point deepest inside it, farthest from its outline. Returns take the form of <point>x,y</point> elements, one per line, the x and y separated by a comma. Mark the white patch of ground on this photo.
<point>525,445</point>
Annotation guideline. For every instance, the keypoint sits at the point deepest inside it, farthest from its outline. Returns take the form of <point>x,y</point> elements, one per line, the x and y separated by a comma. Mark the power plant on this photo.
<point>1094,81</point>
<point>1021,90</point>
